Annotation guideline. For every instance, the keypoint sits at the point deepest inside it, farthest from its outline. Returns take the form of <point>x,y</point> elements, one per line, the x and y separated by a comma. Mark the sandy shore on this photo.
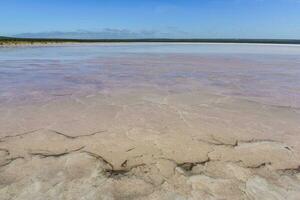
<point>146,136</point>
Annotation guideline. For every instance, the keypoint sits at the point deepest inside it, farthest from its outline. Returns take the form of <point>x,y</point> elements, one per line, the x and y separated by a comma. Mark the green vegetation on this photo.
<point>16,41</point>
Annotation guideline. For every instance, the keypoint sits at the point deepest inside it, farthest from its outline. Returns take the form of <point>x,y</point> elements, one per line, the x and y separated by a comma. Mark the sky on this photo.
<point>151,18</point>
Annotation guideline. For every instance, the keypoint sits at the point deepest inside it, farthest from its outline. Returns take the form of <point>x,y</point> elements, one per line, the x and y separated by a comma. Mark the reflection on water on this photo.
<point>269,74</point>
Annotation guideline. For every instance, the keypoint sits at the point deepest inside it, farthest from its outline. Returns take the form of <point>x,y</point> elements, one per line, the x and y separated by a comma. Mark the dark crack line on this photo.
<point>130,149</point>
<point>21,134</point>
<point>264,164</point>
<point>52,131</point>
<point>293,171</point>
<point>187,166</point>
<point>77,136</point>
<point>10,160</point>
<point>49,154</point>
<point>124,164</point>
<point>241,142</point>
<point>101,158</point>
<point>112,172</point>
<point>117,172</point>
<point>217,143</point>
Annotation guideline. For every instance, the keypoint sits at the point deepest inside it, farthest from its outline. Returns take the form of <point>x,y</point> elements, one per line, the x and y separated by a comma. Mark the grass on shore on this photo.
<point>7,41</point>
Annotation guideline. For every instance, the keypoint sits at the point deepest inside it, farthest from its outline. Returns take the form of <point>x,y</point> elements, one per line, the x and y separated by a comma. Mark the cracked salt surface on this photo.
<point>132,123</point>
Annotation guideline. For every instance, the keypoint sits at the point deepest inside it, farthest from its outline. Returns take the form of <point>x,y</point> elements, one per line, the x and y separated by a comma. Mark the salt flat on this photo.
<point>155,121</point>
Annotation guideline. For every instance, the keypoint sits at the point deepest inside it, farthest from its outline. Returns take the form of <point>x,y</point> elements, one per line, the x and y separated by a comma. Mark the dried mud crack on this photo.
<point>106,165</point>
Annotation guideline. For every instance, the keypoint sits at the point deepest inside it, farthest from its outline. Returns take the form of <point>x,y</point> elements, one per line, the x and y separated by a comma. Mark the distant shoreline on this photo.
<point>9,41</point>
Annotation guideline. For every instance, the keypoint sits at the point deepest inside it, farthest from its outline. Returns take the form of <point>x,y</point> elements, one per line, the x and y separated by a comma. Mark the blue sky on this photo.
<point>152,18</point>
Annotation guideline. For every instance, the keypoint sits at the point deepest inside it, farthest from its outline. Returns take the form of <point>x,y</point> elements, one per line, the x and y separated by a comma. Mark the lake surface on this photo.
<point>265,73</point>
